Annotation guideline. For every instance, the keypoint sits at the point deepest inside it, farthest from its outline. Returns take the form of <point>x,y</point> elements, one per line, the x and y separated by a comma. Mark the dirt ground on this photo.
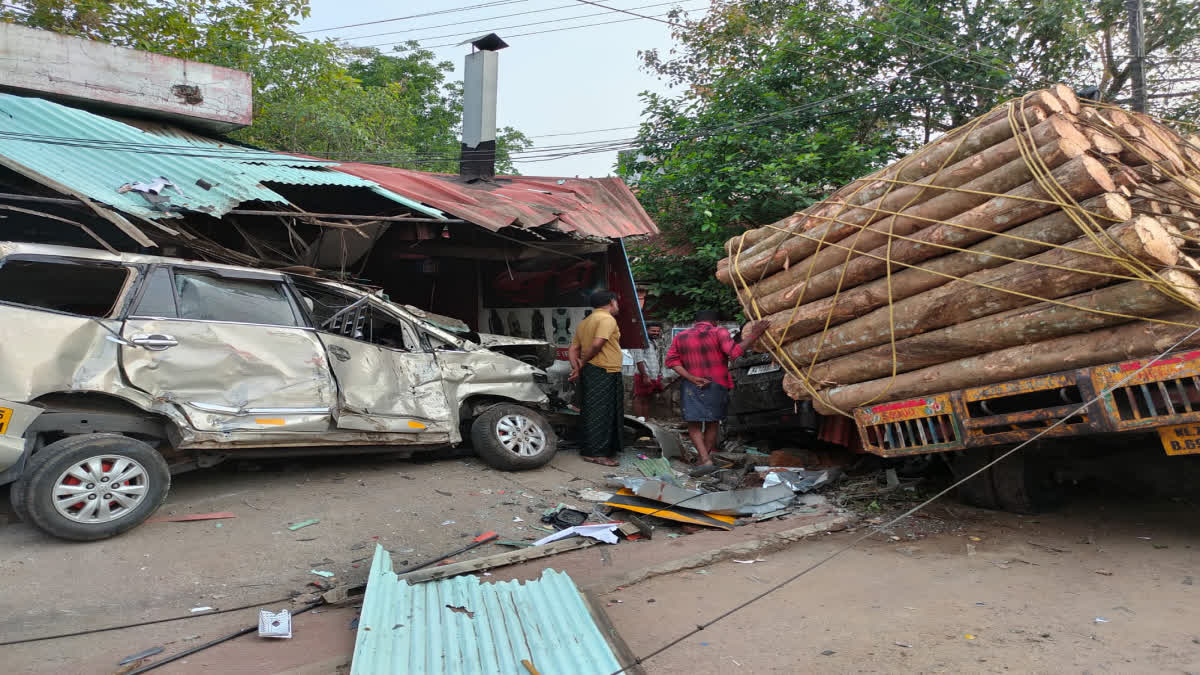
<point>1100,587</point>
<point>1029,590</point>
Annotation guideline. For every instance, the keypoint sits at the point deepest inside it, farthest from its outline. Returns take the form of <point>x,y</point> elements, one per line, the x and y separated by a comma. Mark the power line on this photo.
<point>519,25</point>
<point>553,30</point>
<point>459,23</point>
<point>910,512</point>
<point>482,5</point>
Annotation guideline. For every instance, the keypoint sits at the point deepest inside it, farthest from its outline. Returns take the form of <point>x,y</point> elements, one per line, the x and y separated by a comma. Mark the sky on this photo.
<point>554,83</point>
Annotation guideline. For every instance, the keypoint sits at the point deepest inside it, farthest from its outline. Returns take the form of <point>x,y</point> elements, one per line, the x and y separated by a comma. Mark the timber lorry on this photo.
<point>978,424</point>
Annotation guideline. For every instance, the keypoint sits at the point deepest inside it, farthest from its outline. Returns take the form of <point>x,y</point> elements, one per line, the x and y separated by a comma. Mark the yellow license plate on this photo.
<point>1181,439</point>
<point>5,416</point>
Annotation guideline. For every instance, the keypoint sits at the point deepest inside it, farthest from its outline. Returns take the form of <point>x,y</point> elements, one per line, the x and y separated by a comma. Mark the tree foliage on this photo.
<point>315,97</point>
<point>781,101</point>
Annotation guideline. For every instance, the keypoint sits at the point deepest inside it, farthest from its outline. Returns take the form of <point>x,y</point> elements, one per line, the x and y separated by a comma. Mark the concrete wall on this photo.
<point>108,79</point>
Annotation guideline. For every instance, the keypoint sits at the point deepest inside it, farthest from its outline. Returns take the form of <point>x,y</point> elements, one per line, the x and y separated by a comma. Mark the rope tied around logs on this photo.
<point>918,233</point>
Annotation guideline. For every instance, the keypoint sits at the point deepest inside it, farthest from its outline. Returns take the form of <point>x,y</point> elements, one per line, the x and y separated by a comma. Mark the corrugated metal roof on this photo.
<point>459,626</point>
<point>94,155</point>
<point>600,207</point>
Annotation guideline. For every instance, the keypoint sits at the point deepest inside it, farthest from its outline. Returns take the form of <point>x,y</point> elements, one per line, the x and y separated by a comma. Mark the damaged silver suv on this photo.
<point>118,371</point>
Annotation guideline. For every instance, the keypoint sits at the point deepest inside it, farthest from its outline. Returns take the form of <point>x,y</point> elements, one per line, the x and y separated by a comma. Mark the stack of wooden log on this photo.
<point>1044,236</point>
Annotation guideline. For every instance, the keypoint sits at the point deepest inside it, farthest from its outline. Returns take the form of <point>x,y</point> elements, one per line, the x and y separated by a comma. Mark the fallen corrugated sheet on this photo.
<point>460,626</point>
<point>599,207</point>
<point>93,156</point>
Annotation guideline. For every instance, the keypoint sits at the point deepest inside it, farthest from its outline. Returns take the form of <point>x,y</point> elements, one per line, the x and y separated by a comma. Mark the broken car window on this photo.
<point>158,297</point>
<point>72,287</point>
<point>352,316</point>
<point>210,298</point>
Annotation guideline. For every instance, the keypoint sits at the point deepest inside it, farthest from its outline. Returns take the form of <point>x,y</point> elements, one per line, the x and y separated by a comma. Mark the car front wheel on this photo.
<point>93,486</point>
<point>513,437</point>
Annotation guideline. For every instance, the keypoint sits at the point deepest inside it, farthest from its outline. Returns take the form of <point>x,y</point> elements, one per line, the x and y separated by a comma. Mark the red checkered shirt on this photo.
<point>705,350</point>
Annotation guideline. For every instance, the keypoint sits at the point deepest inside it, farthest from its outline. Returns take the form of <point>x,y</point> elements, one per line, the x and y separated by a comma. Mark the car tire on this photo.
<point>16,499</point>
<point>513,438</point>
<point>67,464</point>
<point>16,494</point>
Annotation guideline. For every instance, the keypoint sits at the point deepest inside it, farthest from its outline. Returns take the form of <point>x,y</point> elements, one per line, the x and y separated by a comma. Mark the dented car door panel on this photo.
<point>233,377</point>
<point>387,390</point>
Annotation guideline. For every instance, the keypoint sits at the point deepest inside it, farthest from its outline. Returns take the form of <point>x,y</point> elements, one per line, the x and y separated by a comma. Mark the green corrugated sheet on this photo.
<point>656,467</point>
<point>91,155</point>
<point>459,626</point>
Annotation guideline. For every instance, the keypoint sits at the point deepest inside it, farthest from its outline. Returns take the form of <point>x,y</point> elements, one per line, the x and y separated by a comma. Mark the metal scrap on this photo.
<point>749,502</point>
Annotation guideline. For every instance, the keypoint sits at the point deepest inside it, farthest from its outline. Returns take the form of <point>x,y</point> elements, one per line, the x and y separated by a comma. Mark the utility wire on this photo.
<point>519,25</point>
<point>144,623</point>
<point>468,8</point>
<point>910,512</point>
<point>490,18</point>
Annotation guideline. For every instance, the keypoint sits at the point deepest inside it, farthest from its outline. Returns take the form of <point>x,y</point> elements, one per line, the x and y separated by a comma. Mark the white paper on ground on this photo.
<point>605,532</point>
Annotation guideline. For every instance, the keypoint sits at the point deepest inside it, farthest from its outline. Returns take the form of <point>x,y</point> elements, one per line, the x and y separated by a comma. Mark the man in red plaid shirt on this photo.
<point>701,356</point>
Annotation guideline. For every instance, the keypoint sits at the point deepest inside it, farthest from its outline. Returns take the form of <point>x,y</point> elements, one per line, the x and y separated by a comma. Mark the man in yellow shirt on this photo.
<point>595,356</point>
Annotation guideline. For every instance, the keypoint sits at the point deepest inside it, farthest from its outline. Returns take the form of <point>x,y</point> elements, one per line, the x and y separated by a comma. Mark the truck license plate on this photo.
<point>765,368</point>
<point>5,416</point>
<point>1181,439</point>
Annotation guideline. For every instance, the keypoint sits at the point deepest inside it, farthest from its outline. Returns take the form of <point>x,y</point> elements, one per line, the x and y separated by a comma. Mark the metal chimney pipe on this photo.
<point>477,155</point>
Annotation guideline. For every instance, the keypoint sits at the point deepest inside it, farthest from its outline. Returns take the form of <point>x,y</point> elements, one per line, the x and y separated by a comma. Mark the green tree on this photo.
<point>311,96</point>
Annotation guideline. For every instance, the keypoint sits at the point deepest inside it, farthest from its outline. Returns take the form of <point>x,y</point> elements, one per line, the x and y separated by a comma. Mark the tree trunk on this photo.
<point>1143,238</point>
<point>1026,325</point>
<point>1021,242</point>
<point>1140,339</point>
<point>848,229</point>
<point>946,151</point>
<point>1081,178</point>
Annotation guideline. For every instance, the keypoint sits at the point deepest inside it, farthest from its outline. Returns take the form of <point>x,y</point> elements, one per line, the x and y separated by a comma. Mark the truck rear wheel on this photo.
<point>1020,483</point>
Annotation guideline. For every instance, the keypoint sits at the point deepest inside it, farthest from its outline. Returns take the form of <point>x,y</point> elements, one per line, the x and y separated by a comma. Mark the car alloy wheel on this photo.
<point>520,435</point>
<point>100,489</point>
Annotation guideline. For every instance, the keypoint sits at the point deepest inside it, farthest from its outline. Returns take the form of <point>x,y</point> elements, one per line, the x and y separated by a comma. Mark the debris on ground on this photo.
<point>562,517</point>
<point>605,532</point>
<point>275,624</point>
<point>134,658</point>
<point>656,468</point>
<point>304,523</point>
<point>554,614</point>
<point>192,517</point>
<point>593,495</point>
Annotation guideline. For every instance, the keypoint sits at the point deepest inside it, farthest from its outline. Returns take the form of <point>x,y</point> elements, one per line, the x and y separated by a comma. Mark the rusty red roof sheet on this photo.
<point>600,207</point>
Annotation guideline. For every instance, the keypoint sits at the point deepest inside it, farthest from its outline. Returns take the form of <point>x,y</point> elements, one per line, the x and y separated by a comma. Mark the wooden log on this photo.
<point>1067,96</point>
<point>946,204</point>
<point>1025,325</point>
<point>1023,241</point>
<point>1162,142</point>
<point>1061,272</point>
<point>1140,339</point>
<point>1082,177</point>
<point>1104,143</point>
<point>750,239</point>
<point>946,151</point>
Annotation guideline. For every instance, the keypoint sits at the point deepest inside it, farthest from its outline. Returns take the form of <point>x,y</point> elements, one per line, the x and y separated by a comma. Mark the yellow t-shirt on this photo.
<point>601,324</point>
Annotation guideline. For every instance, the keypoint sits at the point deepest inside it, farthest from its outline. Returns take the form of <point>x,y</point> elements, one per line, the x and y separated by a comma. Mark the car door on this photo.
<point>231,348</point>
<point>387,380</point>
